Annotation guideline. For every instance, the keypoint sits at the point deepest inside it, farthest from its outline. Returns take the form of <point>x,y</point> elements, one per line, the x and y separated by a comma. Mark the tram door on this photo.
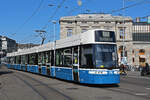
<point>75,72</point>
<point>75,64</point>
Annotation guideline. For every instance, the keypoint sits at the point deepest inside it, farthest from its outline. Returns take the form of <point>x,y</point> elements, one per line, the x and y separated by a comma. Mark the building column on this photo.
<point>129,53</point>
<point>136,57</point>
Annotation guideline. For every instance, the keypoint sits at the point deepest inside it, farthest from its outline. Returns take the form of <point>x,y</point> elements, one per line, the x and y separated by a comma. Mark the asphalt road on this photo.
<point>18,85</point>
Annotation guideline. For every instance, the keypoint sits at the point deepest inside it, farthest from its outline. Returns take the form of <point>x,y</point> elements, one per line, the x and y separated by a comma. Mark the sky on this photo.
<point>20,18</point>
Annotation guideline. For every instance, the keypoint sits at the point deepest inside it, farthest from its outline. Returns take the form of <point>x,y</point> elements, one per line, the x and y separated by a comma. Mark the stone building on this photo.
<point>7,45</point>
<point>71,25</point>
<point>26,46</point>
<point>141,43</point>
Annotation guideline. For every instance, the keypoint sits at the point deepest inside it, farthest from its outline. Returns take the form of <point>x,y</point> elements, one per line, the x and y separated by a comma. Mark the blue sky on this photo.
<point>20,18</point>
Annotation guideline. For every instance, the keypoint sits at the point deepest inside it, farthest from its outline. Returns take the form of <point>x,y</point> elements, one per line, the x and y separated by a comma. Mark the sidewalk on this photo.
<point>137,74</point>
<point>134,73</point>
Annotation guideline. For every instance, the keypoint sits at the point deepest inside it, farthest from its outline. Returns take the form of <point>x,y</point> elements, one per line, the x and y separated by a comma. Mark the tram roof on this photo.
<point>74,40</point>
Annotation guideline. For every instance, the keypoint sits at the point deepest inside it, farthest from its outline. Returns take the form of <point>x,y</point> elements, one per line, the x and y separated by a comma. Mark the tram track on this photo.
<point>121,90</point>
<point>132,87</point>
<point>42,89</point>
<point>130,92</point>
<point>134,81</point>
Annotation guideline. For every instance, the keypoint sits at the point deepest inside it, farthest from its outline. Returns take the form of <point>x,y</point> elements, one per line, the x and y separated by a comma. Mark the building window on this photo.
<point>132,51</point>
<point>107,22</point>
<point>69,32</point>
<point>133,60</point>
<point>83,30</point>
<point>122,33</point>
<point>84,22</point>
<point>141,37</point>
<point>120,22</point>
<point>96,22</point>
<point>141,52</point>
<point>69,22</point>
<point>95,27</point>
<point>107,27</point>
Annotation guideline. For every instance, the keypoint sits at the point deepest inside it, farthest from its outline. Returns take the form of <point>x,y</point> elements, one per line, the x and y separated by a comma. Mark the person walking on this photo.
<point>122,69</point>
<point>145,70</point>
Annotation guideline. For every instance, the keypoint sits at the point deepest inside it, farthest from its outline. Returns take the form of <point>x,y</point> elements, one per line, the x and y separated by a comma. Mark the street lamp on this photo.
<point>42,35</point>
<point>54,22</point>
<point>124,59</point>
<point>79,2</point>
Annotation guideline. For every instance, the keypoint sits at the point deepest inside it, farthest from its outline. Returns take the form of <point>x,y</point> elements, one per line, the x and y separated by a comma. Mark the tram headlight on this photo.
<point>104,72</point>
<point>116,72</point>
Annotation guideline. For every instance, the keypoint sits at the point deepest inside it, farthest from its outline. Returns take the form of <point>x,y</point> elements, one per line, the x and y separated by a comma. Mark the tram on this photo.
<point>89,57</point>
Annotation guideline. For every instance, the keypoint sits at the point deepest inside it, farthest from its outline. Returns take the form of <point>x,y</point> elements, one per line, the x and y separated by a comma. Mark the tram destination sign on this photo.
<point>105,39</point>
<point>104,36</point>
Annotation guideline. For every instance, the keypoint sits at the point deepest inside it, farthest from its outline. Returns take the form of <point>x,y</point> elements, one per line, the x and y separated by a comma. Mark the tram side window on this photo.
<point>41,58</point>
<point>33,59</point>
<point>59,58</point>
<point>26,59</point>
<point>8,60</point>
<point>67,57</point>
<point>87,56</point>
<point>15,60</point>
<point>48,57</point>
<point>64,57</point>
<point>12,60</point>
<point>18,59</point>
<point>23,59</point>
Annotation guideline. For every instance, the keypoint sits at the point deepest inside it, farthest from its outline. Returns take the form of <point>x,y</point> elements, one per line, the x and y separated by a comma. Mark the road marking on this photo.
<point>139,77</point>
<point>148,88</point>
<point>141,94</point>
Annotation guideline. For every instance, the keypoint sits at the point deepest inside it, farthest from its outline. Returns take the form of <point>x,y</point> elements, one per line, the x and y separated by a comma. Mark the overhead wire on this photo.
<point>55,12</point>
<point>30,17</point>
<point>72,10</point>
<point>53,15</point>
<point>133,5</point>
<point>76,8</point>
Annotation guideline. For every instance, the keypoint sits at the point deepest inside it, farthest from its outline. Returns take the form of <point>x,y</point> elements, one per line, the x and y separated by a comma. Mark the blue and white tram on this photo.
<point>90,57</point>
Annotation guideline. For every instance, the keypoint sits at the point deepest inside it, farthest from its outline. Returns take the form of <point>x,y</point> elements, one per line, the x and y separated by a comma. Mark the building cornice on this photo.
<point>95,17</point>
<point>141,42</point>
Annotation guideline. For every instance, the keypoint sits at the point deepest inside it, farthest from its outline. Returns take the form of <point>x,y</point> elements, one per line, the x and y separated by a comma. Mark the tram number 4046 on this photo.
<point>98,72</point>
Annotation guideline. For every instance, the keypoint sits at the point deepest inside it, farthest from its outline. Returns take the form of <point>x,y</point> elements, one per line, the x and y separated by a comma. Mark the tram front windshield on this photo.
<point>98,56</point>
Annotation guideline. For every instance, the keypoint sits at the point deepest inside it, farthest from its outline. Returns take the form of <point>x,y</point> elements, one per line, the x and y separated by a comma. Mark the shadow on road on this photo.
<point>91,85</point>
<point>101,85</point>
<point>5,72</point>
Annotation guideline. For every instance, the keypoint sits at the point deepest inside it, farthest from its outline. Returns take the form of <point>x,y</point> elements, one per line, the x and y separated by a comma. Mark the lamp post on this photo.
<point>123,29</point>
<point>123,33</point>
<point>54,22</point>
<point>79,2</point>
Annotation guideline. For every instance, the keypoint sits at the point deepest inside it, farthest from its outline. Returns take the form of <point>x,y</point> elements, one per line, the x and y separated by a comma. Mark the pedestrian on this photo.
<point>122,69</point>
<point>147,68</point>
<point>143,72</point>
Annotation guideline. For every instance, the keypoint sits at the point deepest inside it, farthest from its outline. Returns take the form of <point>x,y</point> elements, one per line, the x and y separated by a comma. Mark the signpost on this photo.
<point>148,20</point>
